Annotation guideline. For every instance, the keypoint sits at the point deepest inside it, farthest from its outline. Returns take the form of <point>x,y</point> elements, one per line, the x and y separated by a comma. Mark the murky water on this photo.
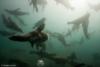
<point>57,18</point>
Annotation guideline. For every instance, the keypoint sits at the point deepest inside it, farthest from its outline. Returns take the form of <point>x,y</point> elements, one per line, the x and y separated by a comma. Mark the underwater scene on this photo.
<point>49,33</point>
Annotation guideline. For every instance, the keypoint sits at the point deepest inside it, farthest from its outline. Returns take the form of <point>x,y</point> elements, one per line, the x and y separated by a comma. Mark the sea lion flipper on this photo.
<point>32,44</point>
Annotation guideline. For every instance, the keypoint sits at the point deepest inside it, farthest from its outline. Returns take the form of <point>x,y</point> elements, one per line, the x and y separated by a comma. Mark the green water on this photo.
<point>57,17</point>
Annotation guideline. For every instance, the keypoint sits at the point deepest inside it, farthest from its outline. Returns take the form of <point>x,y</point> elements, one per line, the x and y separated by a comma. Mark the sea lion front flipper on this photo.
<point>85,29</point>
<point>32,43</point>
